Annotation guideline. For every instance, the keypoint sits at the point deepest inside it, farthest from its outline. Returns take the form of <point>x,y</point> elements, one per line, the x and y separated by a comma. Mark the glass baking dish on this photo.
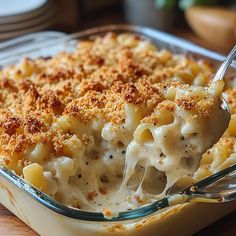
<point>48,217</point>
<point>21,44</point>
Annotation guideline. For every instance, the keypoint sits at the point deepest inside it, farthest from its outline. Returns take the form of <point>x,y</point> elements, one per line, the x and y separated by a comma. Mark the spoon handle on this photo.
<point>222,70</point>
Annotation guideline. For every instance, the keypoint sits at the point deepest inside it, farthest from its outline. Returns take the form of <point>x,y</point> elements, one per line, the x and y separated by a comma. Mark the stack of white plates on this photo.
<point>18,17</point>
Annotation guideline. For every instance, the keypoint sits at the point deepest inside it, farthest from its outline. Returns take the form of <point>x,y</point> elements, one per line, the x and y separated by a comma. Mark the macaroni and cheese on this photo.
<point>114,124</point>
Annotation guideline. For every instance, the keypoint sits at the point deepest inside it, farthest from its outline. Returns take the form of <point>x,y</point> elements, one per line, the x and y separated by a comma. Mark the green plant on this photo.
<point>160,4</point>
<point>183,4</point>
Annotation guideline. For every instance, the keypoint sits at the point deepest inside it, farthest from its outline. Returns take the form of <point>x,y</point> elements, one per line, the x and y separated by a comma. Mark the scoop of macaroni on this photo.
<point>113,124</point>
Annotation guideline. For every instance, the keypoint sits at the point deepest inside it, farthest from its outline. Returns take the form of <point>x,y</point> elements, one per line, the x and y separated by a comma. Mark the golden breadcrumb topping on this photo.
<point>73,125</point>
<point>97,79</point>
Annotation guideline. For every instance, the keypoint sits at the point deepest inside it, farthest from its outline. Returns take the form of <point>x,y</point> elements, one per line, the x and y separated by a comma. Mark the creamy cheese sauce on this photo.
<point>111,126</point>
<point>140,162</point>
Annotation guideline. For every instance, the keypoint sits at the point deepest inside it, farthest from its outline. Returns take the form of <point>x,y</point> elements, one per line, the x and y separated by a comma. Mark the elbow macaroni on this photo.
<point>98,127</point>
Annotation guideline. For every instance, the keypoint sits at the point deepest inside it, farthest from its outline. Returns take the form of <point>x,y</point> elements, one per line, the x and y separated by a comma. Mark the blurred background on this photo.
<point>209,23</point>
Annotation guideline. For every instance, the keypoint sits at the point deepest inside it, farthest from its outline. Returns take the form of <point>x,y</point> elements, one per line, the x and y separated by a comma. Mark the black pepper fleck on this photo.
<point>162,154</point>
<point>104,179</point>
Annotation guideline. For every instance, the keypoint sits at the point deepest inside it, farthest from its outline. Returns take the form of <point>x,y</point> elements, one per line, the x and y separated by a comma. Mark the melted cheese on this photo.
<point>112,125</point>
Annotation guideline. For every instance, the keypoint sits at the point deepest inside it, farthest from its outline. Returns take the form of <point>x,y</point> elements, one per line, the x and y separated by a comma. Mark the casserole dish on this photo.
<point>47,217</point>
<point>19,44</point>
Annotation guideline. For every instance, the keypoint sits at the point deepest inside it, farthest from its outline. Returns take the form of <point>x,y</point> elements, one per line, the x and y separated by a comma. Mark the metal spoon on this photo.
<point>221,73</point>
<point>216,188</point>
<point>225,65</point>
<point>209,189</point>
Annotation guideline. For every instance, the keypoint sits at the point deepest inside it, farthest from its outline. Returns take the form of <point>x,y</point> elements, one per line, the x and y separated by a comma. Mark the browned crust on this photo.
<point>98,79</point>
<point>187,102</point>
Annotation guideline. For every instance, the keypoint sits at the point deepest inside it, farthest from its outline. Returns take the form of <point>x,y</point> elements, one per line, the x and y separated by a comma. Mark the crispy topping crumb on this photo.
<point>91,195</point>
<point>107,212</point>
<point>98,79</point>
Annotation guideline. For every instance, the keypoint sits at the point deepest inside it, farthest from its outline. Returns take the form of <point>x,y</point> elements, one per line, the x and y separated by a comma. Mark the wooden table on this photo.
<point>189,35</point>
<point>10,225</point>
